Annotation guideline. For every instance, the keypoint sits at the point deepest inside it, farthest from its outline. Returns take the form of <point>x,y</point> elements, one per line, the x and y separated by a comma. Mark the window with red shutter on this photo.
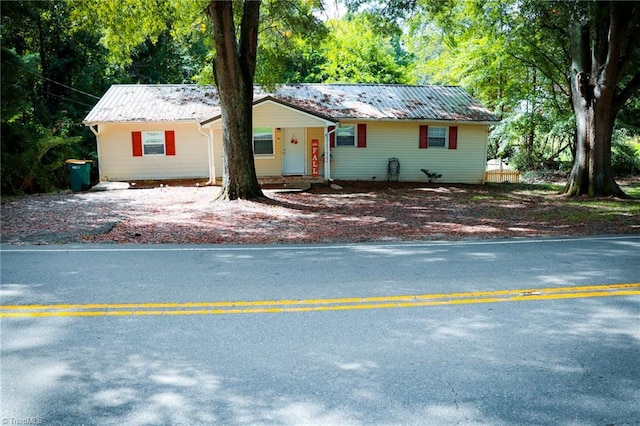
<point>453,137</point>
<point>136,143</point>
<point>424,137</point>
<point>170,142</point>
<point>362,135</point>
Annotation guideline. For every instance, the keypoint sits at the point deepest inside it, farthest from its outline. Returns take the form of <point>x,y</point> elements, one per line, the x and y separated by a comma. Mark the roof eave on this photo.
<point>419,119</point>
<point>95,122</point>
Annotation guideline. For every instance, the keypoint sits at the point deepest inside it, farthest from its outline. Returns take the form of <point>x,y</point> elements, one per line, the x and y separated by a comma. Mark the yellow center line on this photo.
<point>309,305</point>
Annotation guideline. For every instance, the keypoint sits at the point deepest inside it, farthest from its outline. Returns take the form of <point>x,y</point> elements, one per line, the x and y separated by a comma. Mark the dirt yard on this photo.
<point>359,212</point>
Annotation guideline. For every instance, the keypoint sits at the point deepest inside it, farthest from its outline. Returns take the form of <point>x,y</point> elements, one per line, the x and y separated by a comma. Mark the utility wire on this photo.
<point>55,82</point>
<point>70,88</point>
<point>65,98</point>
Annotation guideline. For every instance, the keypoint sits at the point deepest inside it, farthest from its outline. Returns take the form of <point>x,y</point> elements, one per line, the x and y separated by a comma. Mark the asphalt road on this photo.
<point>478,332</point>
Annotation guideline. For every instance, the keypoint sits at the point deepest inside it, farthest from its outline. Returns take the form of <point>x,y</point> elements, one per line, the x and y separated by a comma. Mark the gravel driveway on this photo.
<point>359,212</point>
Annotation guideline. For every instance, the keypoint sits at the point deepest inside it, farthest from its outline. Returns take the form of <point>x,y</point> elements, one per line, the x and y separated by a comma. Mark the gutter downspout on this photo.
<point>212,167</point>
<point>327,152</point>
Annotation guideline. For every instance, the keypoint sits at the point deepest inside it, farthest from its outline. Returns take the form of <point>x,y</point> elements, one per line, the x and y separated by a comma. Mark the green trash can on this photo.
<point>80,174</point>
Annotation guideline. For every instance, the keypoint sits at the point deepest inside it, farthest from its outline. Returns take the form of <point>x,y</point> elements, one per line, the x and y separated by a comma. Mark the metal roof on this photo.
<point>124,103</point>
<point>386,102</point>
<point>156,102</point>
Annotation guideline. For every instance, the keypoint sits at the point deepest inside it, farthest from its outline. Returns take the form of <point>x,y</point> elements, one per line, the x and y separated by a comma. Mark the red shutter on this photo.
<point>170,142</point>
<point>424,137</point>
<point>136,143</point>
<point>332,136</point>
<point>362,135</point>
<point>453,137</point>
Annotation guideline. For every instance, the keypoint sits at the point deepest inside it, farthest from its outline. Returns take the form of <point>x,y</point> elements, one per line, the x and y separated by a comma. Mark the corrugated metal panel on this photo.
<point>140,103</point>
<point>123,103</point>
<point>364,101</point>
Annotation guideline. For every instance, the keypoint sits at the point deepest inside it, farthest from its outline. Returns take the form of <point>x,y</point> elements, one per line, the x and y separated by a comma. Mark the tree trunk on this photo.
<point>234,69</point>
<point>592,174</point>
<point>600,50</point>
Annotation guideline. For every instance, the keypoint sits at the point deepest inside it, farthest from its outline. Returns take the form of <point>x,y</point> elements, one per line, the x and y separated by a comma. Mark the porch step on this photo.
<point>289,182</point>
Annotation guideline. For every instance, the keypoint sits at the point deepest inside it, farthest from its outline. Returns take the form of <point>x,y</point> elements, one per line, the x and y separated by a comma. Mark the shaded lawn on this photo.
<point>361,211</point>
<point>389,212</point>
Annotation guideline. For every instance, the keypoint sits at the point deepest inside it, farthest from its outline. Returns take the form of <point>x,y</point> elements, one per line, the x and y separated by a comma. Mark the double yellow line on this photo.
<point>309,305</point>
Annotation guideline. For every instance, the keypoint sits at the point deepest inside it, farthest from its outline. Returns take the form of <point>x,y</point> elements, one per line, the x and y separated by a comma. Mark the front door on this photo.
<point>293,150</point>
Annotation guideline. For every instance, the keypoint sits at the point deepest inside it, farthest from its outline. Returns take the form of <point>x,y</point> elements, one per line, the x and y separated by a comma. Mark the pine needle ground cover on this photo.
<point>359,212</point>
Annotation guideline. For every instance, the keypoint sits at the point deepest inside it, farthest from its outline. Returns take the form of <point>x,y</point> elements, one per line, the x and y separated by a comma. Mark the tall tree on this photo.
<point>493,52</point>
<point>50,70</point>
<point>588,50</point>
<point>126,24</point>
<point>605,62</point>
<point>234,70</point>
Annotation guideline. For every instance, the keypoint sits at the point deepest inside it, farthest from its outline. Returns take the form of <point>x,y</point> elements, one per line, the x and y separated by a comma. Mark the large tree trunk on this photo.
<point>234,69</point>
<point>592,174</point>
<point>601,48</point>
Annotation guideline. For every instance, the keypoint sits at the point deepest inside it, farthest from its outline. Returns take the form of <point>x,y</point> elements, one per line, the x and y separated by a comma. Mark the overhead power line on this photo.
<point>71,88</point>
<point>56,82</point>
<point>65,98</point>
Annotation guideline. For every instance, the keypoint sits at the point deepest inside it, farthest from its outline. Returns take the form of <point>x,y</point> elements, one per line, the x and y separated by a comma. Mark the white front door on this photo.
<point>293,151</point>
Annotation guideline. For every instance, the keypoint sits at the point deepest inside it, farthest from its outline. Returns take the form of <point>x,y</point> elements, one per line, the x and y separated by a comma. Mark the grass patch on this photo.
<point>567,210</point>
<point>632,190</point>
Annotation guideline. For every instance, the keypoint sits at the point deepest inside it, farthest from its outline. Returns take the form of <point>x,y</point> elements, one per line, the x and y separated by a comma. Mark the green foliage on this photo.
<point>466,43</point>
<point>364,49</point>
<point>533,141</point>
<point>625,153</point>
<point>168,60</point>
<point>32,155</point>
<point>163,41</point>
<point>58,57</point>
<point>126,24</point>
<point>49,73</point>
<point>288,42</point>
<point>505,56</point>
<point>40,166</point>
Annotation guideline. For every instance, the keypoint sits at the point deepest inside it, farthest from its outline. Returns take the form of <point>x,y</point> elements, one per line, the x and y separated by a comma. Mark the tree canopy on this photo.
<point>519,57</point>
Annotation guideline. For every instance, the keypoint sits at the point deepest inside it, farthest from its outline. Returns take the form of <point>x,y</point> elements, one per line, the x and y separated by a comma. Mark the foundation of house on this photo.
<point>302,182</point>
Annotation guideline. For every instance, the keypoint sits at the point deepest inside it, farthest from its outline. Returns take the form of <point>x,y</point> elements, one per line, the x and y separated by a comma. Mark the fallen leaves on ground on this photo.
<point>360,212</point>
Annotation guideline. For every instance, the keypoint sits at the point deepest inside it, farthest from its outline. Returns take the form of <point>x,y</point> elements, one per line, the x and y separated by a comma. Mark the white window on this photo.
<point>437,137</point>
<point>263,141</point>
<point>346,136</point>
<point>153,143</point>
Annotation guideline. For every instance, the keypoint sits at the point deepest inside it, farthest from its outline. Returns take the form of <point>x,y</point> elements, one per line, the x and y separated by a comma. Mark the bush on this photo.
<point>39,165</point>
<point>625,157</point>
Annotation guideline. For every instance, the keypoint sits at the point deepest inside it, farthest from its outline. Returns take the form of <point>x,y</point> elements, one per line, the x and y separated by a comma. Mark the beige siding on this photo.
<point>217,150</point>
<point>117,162</point>
<point>265,166</point>
<point>384,140</point>
<point>278,117</point>
<point>275,115</point>
<point>270,165</point>
<point>387,139</point>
